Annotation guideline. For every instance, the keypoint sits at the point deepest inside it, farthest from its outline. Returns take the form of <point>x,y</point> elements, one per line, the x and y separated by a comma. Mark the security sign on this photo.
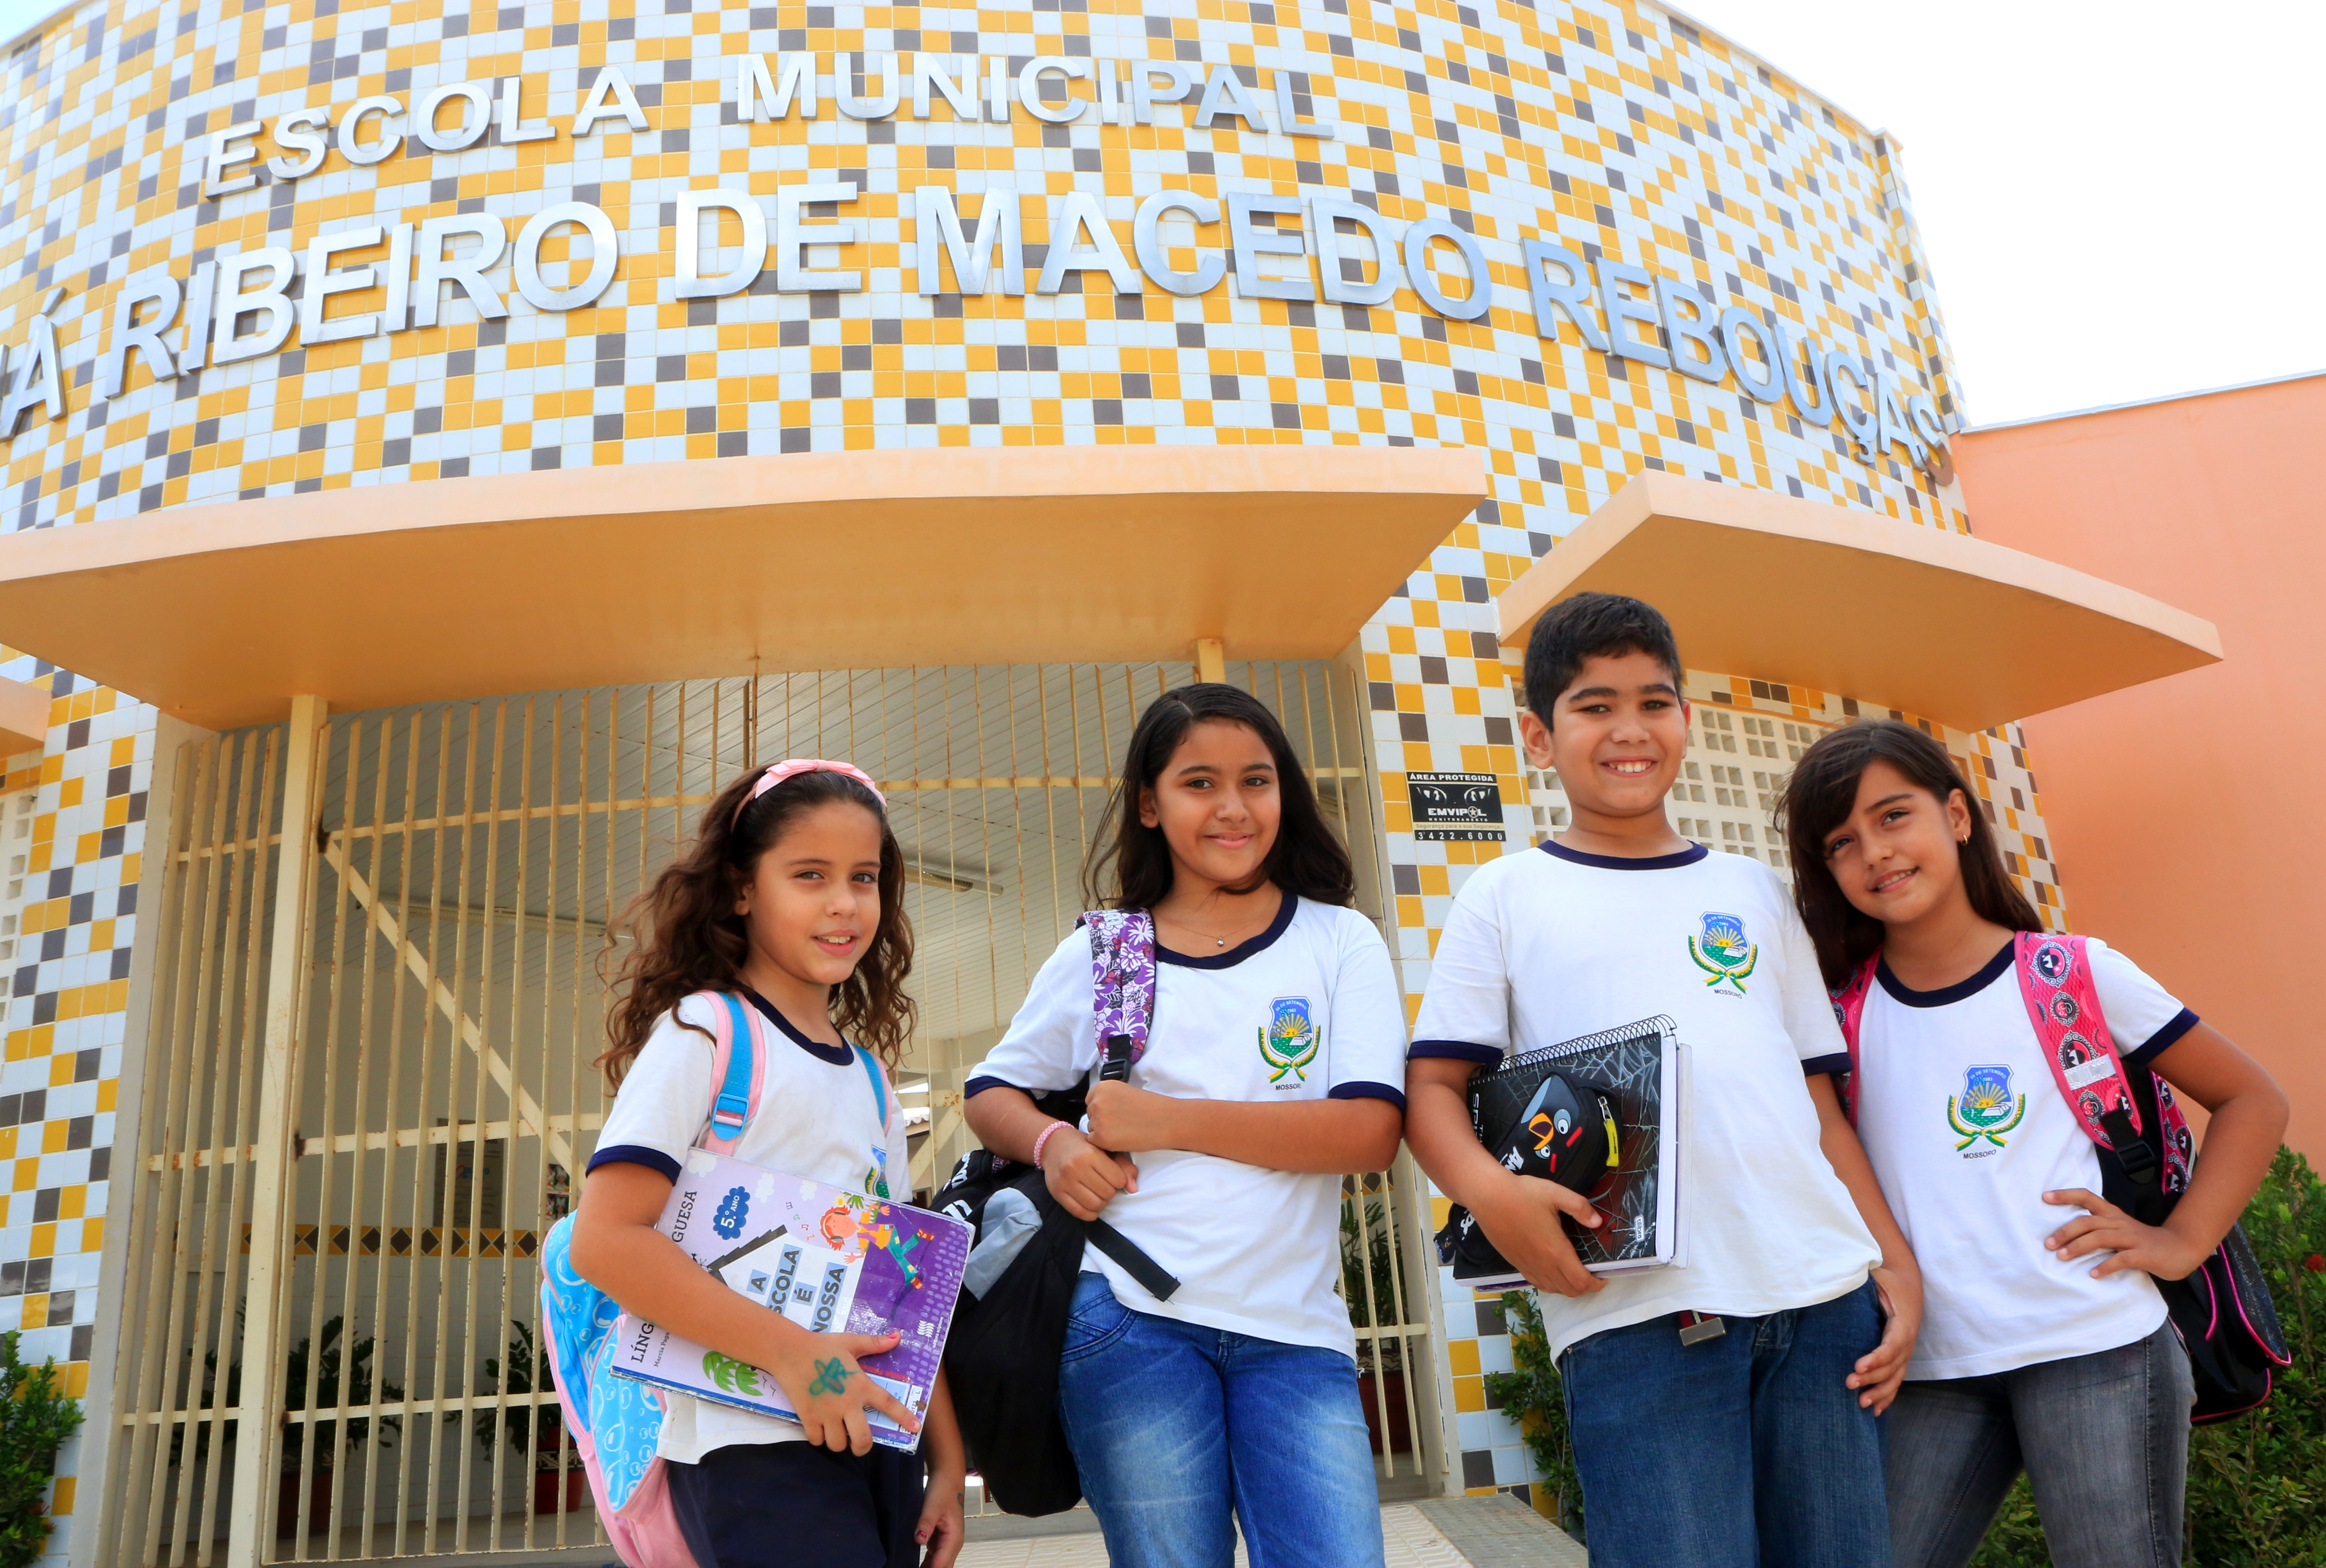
<point>1455,806</point>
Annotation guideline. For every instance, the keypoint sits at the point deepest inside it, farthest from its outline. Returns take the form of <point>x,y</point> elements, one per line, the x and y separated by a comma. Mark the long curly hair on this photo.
<point>685,935</point>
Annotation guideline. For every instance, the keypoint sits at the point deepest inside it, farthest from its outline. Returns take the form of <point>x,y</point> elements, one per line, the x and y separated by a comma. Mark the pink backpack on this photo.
<point>2223,1313</point>
<point>616,1422</point>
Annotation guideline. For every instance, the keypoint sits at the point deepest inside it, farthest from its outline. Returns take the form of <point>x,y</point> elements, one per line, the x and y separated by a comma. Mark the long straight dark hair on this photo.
<point>1306,860</point>
<point>1819,797</point>
<point>684,934</point>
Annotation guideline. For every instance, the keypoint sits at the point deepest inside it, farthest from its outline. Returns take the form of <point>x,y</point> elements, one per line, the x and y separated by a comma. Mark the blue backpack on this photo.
<point>616,1422</point>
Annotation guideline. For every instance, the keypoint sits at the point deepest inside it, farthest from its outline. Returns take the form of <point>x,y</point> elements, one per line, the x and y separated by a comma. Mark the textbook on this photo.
<point>1635,1078</point>
<point>831,1260</point>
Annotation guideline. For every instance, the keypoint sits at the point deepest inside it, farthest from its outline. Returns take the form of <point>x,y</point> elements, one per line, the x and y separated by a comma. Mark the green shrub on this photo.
<point>2256,1484</point>
<point>34,1421</point>
<point>2015,1539</point>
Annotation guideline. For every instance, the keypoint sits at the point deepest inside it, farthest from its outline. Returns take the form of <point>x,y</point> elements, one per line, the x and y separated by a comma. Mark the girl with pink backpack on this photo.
<point>2014,1092</point>
<point>769,969</point>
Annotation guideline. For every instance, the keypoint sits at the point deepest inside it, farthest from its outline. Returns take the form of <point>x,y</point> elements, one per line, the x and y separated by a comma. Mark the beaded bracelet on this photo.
<point>1045,1138</point>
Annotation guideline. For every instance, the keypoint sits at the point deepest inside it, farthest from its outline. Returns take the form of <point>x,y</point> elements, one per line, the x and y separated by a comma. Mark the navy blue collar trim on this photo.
<point>1945,995</point>
<point>838,1055</point>
<point>1287,904</point>
<point>1689,856</point>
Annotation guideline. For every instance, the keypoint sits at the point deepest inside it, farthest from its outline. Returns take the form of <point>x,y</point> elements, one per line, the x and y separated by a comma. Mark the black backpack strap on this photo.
<point>1152,1277</point>
<point>2131,1150</point>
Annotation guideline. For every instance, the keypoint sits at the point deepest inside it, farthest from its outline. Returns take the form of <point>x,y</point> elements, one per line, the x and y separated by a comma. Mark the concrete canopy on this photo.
<point>1935,624</point>
<point>375,596</point>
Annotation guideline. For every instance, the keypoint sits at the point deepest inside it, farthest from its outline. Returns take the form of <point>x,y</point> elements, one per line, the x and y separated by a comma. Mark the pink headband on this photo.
<point>777,772</point>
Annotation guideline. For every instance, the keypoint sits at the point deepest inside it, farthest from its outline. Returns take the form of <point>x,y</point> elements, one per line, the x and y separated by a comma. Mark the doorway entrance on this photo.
<point>337,1326</point>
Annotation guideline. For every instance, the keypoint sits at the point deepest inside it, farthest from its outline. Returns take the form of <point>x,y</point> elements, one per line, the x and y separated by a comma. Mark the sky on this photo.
<point>2119,201</point>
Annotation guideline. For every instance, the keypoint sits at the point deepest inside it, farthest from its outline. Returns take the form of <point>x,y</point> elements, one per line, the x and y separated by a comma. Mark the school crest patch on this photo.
<point>1720,949</point>
<point>1986,1108</point>
<point>1289,1041</point>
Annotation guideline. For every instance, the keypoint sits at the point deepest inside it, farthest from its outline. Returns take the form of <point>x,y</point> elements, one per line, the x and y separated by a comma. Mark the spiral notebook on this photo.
<point>829,1259</point>
<point>1644,1067</point>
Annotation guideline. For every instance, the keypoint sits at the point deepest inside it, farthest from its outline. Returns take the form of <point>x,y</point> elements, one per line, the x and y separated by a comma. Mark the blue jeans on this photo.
<point>1172,1424</point>
<point>1744,1451</point>
<point>2104,1439</point>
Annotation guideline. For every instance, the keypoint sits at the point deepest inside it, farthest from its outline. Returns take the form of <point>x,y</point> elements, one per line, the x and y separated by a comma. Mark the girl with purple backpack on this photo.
<point>2004,1079</point>
<point>1270,1070</point>
<point>789,897</point>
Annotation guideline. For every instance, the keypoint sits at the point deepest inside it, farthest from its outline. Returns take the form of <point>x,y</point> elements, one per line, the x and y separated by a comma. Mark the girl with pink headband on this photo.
<point>790,898</point>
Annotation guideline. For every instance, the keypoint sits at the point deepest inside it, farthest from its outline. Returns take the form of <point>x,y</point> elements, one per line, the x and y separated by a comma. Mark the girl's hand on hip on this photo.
<point>821,1379</point>
<point>1133,1121</point>
<point>2155,1249</point>
<point>1880,1371</point>
<point>1082,1177</point>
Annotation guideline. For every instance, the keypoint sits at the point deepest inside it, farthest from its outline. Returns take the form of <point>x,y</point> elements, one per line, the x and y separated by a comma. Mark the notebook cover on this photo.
<point>829,1259</point>
<point>1642,1064</point>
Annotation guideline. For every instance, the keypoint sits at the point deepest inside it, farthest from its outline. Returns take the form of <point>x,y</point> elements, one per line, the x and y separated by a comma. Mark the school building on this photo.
<point>442,443</point>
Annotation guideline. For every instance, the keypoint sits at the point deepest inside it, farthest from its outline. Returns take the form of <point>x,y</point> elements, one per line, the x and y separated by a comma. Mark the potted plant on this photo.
<point>1381,1363</point>
<point>341,1379</point>
<point>538,1430</point>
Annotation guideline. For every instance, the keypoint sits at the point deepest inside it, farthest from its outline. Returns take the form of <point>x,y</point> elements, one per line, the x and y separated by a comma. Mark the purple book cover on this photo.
<point>831,1260</point>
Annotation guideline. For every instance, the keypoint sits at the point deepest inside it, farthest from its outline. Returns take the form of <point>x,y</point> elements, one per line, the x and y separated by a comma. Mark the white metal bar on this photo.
<point>679,801</point>
<point>366,1012</point>
<point>463,1472</point>
<point>530,1116</point>
<point>333,1413</point>
<point>581,786</point>
<point>238,967</point>
<point>421,1103</point>
<point>354,1142</point>
<point>328,1051</point>
<point>549,900</point>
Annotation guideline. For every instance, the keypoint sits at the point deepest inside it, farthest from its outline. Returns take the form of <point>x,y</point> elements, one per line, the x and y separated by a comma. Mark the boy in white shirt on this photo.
<point>1754,1440</point>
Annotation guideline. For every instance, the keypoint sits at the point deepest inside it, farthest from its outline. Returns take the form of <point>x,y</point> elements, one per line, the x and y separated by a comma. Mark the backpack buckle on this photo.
<point>2131,1150</point>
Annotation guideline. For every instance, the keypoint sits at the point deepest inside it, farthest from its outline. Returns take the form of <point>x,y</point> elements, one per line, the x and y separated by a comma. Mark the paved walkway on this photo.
<point>1497,1532</point>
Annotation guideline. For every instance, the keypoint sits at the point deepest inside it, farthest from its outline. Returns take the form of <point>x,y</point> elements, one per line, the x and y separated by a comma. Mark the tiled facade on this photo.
<point>1613,127</point>
<point>68,975</point>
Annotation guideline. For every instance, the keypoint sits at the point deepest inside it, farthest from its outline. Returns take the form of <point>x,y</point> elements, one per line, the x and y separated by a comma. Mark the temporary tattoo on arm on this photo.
<point>831,1377</point>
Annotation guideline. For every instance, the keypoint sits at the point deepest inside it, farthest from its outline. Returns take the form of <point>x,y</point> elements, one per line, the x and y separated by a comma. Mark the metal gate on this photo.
<point>369,1084</point>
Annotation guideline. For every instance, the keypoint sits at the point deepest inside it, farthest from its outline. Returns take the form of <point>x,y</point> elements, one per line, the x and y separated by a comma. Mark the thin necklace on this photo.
<point>1218,941</point>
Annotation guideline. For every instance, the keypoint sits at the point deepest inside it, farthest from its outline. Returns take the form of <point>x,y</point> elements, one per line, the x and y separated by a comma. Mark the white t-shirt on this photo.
<point>1307,1010</point>
<point>1935,1068</point>
<point>817,1118</point>
<point>1546,945</point>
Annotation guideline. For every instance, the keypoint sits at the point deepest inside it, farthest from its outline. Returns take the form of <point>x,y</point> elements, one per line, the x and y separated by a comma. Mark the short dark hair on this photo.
<point>1592,626</point>
<point>1820,796</point>
<point>1306,860</point>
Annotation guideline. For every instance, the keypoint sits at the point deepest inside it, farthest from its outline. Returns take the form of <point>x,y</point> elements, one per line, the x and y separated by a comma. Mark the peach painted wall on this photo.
<point>2185,812</point>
